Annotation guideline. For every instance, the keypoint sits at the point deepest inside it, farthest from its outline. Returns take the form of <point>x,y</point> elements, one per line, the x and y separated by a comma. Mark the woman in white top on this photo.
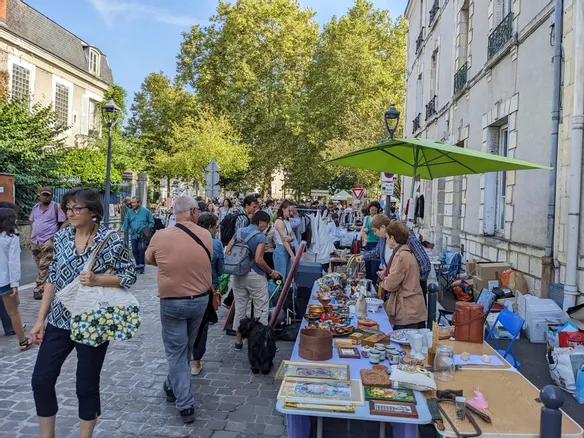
<point>10,272</point>
<point>284,235</point>
<point>224,211</point>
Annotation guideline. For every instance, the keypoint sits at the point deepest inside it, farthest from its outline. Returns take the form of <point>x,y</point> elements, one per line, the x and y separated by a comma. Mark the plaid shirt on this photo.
<point>420,254</point>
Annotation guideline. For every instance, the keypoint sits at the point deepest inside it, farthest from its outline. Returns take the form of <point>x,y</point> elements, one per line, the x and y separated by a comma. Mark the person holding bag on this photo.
<point>370,240</point>
<point>184,255</point>
<point>401,278</point>
<point>85,243</point>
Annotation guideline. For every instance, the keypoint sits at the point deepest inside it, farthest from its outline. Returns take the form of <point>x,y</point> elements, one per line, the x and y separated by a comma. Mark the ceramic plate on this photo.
<point>401,336</point>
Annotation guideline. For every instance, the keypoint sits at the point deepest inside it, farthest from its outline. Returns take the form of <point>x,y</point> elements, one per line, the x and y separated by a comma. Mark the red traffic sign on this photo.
<point>387,177</point>
<point>358,192</point>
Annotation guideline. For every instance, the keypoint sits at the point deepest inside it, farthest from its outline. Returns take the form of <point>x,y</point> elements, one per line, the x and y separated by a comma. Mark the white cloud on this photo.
<point>112,10</point>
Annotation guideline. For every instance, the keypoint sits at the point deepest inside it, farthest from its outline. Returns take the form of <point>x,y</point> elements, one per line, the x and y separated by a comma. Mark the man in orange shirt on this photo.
<point>183,255</point>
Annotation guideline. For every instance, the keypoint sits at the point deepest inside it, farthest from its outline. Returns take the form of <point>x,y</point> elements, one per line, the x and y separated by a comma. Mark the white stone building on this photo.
<point>48,64</point>
<point>480,76</point>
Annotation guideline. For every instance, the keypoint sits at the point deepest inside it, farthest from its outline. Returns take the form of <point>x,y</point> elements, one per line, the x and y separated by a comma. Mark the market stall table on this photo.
<point>299,423</point>
<point>513,405</point>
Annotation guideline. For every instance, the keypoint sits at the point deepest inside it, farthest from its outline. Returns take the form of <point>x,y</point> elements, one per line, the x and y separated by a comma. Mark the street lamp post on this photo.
<point>391,118</point>
<point>109,113</point>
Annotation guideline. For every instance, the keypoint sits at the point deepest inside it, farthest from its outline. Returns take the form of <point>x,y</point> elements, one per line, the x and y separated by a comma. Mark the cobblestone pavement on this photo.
<point>231,402</point>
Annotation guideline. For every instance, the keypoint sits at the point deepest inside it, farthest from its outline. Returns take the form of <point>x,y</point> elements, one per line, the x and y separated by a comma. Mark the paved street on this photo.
<point>230,401</point>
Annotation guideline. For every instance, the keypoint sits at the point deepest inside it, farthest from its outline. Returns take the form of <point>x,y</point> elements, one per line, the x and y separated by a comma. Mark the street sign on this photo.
<point>212,178</point>
<point>387,188</point>
<point>358,192</point>
<point>387,177</point>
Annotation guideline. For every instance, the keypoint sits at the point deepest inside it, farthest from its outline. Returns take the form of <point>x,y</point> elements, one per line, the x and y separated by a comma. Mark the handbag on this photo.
<point>468,322</point>
<point>100,314</point>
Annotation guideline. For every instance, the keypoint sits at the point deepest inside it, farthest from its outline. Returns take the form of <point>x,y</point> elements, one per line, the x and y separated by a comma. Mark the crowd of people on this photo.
<point>189,249</point>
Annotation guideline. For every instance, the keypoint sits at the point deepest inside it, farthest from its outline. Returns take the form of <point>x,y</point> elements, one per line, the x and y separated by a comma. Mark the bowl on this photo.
<point>315,309</point>
<point>324,299</point>
<point>328,308</point>
<point>374,302</point>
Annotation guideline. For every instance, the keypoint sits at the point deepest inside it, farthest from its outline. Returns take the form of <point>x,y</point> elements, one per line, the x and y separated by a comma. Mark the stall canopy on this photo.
<point>341,196</point>
<point>429,159</point>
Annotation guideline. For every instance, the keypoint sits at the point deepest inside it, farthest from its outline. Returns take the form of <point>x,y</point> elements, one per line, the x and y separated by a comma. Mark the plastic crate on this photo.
<point>556,293</point>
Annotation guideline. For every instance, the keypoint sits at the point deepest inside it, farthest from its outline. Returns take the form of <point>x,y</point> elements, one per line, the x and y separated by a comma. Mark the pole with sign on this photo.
<point>212,178</point>
<point>387,187</point>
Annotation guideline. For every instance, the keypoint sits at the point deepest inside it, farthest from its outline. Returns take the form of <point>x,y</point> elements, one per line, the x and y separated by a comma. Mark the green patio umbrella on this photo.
<point>428,159</point>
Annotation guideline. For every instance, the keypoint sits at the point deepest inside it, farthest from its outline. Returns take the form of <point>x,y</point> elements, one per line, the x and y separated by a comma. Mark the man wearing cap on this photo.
<point>46,218</point>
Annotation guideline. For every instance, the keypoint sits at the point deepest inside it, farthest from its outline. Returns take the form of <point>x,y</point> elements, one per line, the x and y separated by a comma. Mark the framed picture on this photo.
<point>393,409</point>
<point>318,391</point>
<point>389,394</point>
<point>314,370</point>
<point>349,353</point>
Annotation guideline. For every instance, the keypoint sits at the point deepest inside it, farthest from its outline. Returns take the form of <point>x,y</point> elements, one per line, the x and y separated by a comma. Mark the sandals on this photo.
<point>25,345</point>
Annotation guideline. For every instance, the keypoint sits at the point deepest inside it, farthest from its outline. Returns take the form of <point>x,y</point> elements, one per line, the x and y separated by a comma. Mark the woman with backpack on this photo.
<point>252,285</point>
<point>284,235</point>
<point>10,272</point>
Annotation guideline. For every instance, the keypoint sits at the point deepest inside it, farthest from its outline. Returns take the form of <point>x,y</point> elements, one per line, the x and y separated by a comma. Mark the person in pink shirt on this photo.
<point>46,219</point>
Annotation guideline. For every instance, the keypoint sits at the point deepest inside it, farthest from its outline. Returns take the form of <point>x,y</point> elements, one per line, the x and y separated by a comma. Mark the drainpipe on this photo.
<point>571,285</point>
<point>547,262</point>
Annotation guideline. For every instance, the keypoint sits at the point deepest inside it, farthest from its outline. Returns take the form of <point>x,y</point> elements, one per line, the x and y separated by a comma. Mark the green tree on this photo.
<point>250,64</point>
<point>358,71</point>
<point>157,107</point>
<point>30,142</point>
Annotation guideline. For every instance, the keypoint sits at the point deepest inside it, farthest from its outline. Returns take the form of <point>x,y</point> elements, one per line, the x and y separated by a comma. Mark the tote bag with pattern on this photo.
<point>100,314</point>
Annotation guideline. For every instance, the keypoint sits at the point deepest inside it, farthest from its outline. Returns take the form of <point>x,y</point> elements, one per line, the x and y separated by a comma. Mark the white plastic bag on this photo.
<point>564,364</point>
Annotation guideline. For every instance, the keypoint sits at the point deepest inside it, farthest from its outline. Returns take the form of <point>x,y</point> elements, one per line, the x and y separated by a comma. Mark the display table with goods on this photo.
<point>336,371</point>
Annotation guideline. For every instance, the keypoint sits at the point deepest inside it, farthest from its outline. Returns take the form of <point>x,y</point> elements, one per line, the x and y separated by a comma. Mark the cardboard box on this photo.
<point>471,268</point>
<point>478,284</point>
<point>491,271</point>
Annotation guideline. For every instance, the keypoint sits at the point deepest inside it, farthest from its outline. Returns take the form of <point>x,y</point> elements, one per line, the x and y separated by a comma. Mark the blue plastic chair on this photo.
<point>512,323</point>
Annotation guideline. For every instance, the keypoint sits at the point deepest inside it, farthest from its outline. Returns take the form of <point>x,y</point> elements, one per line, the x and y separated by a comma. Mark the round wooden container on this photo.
<point>315,344</point>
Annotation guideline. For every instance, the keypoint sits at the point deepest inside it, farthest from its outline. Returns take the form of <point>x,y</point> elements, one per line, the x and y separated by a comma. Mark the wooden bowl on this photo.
<point>315,309</point>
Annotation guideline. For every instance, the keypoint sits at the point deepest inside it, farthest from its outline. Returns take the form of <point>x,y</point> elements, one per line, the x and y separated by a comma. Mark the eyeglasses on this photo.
<point>74,210</point>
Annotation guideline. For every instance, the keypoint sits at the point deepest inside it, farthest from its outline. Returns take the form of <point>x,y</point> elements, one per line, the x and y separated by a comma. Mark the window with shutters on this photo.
<point>20,83</point>
<point>93,118</point>
<point>503,144</point>
<point>94,61</point>
<point>62,104</point>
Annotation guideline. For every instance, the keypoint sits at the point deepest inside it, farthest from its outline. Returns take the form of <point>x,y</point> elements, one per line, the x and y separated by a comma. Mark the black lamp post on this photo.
<point>391,120</point>
<point>109,113</point>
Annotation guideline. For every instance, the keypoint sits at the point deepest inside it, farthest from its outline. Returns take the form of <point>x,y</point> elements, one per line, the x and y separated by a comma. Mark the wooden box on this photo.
<point>378,338</point>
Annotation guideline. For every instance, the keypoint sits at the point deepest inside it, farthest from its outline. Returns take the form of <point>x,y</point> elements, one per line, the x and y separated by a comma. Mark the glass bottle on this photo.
<point>444,364</point>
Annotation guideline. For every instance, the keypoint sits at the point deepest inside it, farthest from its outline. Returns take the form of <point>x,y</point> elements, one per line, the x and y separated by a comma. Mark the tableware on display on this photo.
<point>315,309</point>
<point>444,366</point>
<point>401,336</point>
<point>425,345</point>
<point>379,346</point>
<point>392,356</point>
<point>416,342</point>
<point>374,354</point>
<point>429,340</point>
<point>324,299</point>
<point>374,359</point>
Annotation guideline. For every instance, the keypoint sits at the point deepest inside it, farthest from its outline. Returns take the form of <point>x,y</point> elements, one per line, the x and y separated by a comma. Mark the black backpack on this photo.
<point>228,227</point>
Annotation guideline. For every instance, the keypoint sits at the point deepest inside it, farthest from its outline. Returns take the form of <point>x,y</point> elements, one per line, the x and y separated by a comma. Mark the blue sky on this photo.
<point>143,36</point>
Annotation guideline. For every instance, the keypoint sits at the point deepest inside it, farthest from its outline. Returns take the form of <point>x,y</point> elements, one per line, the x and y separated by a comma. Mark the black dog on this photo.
<point>261,347</point>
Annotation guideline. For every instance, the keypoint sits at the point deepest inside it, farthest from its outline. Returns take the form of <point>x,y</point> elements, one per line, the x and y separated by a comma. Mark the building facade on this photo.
<point>480,76</point>
<point>47,64</point>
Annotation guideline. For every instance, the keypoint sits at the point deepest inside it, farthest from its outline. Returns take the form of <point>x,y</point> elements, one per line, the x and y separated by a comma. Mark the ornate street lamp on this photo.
<point>109,113</point>
<point>391,120</point>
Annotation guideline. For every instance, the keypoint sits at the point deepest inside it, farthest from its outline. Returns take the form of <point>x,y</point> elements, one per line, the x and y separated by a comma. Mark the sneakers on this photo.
<point>188,415</point>
<point>37,295</point>
<point>169,394</point>
<point>238,347</point>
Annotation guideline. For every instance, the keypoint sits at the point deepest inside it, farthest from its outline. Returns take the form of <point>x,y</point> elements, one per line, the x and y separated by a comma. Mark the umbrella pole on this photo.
<point>411,210</point>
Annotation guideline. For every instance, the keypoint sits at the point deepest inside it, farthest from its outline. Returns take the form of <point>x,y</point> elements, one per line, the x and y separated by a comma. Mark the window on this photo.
<point>94,119</point>
<point>94,61</point>
<point>434,75</point>
<point>62,104</point>
<point>501,10</point>
<point>463,38</point>
<point>20,83</point>
<point>419,86</point>
<point>502,181</point>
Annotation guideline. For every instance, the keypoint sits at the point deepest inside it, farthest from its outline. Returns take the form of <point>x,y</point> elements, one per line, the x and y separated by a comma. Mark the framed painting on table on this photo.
<point>321,391</point>
<point>313,370</point>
